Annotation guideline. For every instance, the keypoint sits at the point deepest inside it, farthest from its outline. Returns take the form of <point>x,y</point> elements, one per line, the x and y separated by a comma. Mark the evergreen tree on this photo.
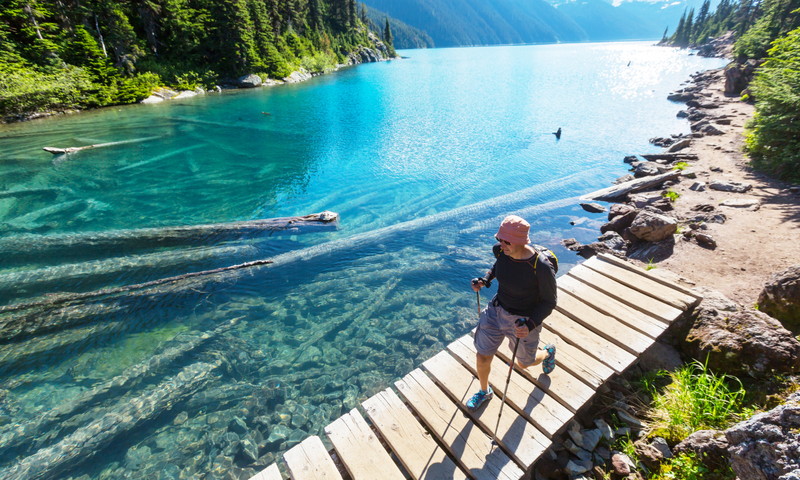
<point>388,38</point>
<point>774,141</point>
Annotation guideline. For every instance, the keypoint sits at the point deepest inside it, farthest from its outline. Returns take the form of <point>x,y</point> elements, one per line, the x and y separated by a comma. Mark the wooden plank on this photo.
<point>532,401</point>
<point>520,439</point>
<point>466,442</point>
<point>607,327</point>
<point>641,321</point>
<point>588,368</point>
<point>591,343</point>
<point>625,294</point>
<point>360,450</point>
<point>561,384</point>
<point>642,283</point>
<point>269,473</point>
<point>419,453</point>
<point>621,263</point>
<point>309,460</point>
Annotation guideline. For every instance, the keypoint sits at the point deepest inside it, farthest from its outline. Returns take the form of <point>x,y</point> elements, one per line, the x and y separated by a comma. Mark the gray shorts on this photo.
<point>494,325</point>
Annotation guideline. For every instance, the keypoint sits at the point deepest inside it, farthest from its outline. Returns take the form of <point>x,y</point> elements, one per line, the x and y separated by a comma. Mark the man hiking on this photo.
<point>526,294</point>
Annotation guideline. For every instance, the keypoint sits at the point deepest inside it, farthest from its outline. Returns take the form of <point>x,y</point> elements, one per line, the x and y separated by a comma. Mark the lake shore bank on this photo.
<point>754,232</point>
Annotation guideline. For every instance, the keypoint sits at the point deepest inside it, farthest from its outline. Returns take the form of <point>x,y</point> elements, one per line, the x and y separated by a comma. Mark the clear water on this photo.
<point>421,157</point>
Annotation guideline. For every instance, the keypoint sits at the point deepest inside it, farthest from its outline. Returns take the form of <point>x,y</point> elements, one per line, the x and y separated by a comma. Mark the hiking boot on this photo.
<point>549,363</point>
<point>477,400</point>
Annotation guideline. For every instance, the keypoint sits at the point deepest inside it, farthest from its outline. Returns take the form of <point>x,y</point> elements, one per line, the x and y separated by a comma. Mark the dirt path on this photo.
<point>754,242</point>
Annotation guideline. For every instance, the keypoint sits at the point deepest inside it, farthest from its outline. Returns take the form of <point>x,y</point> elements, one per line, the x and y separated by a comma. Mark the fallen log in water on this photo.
<point>128,414</point>
<point>68,150</point>
<point>62,310</point>
<point>31,432</point>
<point>616,192</point>
<point>93,274</point>
<point>50,313</point>
<point>28,247</point>
<point>671,157</point>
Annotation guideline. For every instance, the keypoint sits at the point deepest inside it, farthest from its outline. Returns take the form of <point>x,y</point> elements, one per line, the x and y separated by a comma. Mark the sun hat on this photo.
<point>514,230</point>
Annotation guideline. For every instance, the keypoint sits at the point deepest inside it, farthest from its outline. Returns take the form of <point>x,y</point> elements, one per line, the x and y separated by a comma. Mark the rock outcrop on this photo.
<point>767,446</point>
<point>781,297</point>
<point>740,341</point>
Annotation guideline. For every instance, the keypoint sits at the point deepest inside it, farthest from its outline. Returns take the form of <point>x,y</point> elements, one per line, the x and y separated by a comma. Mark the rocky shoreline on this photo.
<point>378,53</point>
<point>698,214</point>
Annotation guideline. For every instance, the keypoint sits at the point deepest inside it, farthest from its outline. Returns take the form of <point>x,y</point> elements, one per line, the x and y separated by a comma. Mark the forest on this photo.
<point>66,54</point>
<point>767,31</point>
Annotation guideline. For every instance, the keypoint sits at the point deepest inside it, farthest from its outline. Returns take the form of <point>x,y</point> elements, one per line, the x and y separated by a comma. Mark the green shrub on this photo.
<point>320,62</point>
<point>680,166</point>
<point>773,141</point>
<point>671,195</point>
<point>696,399</point>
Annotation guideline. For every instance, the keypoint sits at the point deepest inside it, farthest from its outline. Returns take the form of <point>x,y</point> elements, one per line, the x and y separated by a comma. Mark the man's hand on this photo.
<point>521,329</point>
<point>477,283</point>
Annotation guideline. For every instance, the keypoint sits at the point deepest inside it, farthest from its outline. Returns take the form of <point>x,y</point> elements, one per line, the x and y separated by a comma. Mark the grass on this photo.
<point>650,265</point>
<point>695,399</point>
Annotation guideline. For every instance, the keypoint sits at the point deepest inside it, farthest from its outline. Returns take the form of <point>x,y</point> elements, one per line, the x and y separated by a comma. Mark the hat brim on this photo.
<point>513,239</point>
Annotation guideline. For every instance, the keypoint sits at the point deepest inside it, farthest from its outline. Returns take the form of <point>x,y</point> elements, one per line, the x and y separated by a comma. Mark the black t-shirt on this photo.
<point>525,287</point>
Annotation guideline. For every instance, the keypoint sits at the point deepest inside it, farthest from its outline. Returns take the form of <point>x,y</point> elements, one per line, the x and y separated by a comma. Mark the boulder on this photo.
<point>705,240</point>
<point>619,222</point>
<point>662,142</point>
<point>593,207</point>
<point>739,75</point>
<point>248,81</point>
<point>618,209</point>
<point>680,145</point>
<point>767,446</point>
<point>650,455</point>
<point>621,464</point>
<point>298,76</point>
<point>646,169</point>
<point>651,251</point>
<point>613,240</point>
<point>710,130</point>
<point>641,200</point>
<point>653,227</point>
<point>625,178</point>
<point>740,202</point>
<point>681,96</point>
<point>738,341</point>
<point>734,187</point>
<point>698,187</point>
<point>780,297</point>
<point>709,446</point>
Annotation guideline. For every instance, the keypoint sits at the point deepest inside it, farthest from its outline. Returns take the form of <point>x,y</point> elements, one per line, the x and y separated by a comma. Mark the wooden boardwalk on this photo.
<point>608,313</point>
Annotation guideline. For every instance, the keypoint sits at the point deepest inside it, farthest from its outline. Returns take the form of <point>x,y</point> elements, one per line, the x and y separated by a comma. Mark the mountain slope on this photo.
<point>483,22</point>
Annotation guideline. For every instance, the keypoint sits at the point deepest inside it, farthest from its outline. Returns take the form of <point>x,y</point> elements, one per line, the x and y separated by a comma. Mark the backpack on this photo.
<point>542,250</point>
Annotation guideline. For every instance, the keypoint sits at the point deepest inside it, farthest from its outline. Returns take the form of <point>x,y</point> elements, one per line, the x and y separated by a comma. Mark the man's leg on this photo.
<point>484,366</point>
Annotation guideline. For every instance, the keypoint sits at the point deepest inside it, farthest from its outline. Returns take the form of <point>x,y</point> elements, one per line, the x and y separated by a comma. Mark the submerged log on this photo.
<point>128,414</point>
<point>619,191</point>
<point>64,309</point>
<point>68,150</point>
<point>31,432</point>
<point>27,247</point>
<point>96,273</point>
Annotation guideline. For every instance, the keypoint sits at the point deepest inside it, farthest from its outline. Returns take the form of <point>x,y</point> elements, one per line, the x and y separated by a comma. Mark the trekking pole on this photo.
<point>478,296</point>
<point>518,323</point>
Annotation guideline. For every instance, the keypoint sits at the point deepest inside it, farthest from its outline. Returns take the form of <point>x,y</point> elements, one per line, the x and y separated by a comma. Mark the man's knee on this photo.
<point>484,359</point>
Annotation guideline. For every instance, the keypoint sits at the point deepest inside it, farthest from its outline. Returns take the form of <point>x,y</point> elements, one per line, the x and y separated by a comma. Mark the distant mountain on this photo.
<point>484,22</point>
<point>492,22</point>
<point>405,36</point>
<point>603,22</point>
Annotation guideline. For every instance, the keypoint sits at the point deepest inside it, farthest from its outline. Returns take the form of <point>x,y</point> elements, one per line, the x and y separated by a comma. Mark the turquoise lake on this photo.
<point>421,157</point>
